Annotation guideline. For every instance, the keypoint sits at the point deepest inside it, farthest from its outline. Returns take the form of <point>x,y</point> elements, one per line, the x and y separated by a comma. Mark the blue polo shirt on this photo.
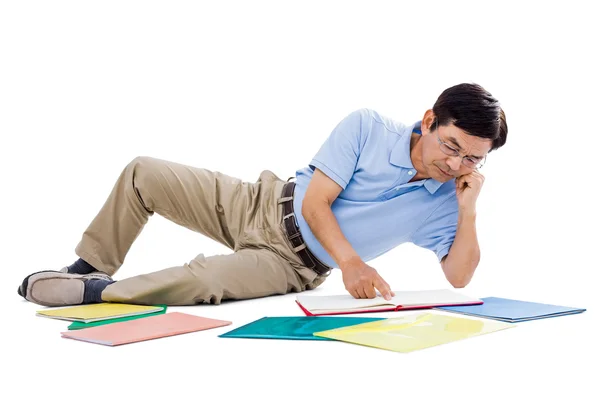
<point>368,155</point>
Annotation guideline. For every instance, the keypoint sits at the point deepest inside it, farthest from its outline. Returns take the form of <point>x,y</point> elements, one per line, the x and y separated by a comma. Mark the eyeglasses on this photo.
<point>467,161</point>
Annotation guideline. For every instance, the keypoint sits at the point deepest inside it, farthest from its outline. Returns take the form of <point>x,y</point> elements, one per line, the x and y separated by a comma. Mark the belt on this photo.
<point>294,235</point>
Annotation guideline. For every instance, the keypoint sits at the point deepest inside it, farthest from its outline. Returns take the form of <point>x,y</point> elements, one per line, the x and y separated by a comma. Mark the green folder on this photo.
<point>294,328</point>
<point>82,325</point>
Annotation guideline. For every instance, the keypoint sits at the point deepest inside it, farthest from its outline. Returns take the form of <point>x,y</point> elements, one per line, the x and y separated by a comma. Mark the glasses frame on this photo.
<point>456,153</point>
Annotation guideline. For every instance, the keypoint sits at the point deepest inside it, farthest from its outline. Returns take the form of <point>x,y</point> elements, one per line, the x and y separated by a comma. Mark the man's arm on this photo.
<point>462,259</point>
<point>360,279</point>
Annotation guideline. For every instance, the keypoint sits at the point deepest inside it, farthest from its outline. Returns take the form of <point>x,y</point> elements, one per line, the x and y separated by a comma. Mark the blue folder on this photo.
<point>295,328</point>
<point>508,310</point>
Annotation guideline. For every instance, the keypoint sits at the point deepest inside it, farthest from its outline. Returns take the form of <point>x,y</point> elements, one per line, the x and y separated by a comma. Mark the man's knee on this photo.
<point>142,164</point>
<point>143,173</point>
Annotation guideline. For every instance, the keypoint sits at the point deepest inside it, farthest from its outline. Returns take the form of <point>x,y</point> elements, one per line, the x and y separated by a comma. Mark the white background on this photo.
<point>240,87</point>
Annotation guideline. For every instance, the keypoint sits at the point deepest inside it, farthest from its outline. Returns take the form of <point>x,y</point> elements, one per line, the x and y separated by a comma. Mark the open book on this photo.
<point>404,300</point>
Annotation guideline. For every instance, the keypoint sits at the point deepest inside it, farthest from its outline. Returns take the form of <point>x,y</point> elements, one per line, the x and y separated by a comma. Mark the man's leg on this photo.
<point>247,273</point>
<point>263,263</point>
<point>201,200</point>
<point>198,199</point>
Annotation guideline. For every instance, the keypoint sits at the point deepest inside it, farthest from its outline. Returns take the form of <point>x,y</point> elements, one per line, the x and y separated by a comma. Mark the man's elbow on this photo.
<point>457,278</point>
<point>459,283</point>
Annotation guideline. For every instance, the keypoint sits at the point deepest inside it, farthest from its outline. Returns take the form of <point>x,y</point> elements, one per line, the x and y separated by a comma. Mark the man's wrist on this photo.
<point>466,213</point>
<point>349,261</point>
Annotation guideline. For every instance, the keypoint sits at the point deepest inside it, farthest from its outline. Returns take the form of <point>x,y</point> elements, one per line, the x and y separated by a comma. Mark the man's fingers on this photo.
<point>370,291</point>
<point>361,292</point>
<point>389,289</point>
<point>383,288</point>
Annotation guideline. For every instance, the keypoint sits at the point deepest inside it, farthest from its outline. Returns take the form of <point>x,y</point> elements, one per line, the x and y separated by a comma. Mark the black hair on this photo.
<point>469,107</point>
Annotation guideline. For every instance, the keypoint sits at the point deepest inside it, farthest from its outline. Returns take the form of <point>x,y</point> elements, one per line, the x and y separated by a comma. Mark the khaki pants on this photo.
<point>245,217</point>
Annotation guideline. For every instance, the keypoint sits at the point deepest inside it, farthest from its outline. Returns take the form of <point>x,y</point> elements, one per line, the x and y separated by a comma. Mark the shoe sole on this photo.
<point>53,289</point>
<point>23,288</point>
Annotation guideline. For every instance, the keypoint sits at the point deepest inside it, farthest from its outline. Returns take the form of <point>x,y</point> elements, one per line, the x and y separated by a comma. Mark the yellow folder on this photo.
<point>97,312</point>
<point>414,332</point>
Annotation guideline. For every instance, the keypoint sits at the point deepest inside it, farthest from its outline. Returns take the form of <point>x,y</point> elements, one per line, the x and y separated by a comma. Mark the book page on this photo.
<point>402,298</point>
<point>431,297</point>
<point>341,302</point>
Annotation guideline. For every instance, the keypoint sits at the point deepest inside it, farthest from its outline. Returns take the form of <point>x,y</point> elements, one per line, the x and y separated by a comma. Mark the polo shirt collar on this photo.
<point>432,185</point>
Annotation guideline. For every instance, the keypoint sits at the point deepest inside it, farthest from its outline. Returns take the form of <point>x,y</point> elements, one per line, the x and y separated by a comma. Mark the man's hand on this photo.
<point>467,190</point>
<point>361,281</point>
<point>464,255</point>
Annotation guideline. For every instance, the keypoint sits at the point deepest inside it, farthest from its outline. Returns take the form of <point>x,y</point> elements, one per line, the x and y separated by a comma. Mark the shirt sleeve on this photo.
<point>438,232</point>
<point>339,154</point>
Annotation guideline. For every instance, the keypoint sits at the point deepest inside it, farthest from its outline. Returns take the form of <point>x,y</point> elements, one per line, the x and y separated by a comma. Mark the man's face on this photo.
<point>437,158</point>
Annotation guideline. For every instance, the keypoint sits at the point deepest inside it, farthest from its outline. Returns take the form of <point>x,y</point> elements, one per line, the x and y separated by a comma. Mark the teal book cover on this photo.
<point>294,328</point>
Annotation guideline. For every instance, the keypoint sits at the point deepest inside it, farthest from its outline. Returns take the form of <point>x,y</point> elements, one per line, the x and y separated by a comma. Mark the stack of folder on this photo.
<point>114,324</point>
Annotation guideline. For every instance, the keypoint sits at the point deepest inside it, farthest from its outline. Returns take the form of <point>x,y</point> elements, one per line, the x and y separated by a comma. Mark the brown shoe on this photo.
<point>54,288</point>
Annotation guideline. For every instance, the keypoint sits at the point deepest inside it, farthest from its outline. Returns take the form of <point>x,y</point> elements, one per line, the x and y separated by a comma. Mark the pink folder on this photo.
<point>169,324</point>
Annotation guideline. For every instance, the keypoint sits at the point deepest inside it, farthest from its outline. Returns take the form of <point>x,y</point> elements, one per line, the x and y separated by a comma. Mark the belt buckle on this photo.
<point>288,215</point>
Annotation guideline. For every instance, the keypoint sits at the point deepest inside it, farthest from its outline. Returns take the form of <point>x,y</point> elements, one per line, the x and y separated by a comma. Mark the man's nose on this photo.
<point>454,162</point>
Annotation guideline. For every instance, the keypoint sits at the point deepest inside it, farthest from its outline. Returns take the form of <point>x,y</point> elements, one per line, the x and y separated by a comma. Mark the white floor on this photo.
<point>537,358</point>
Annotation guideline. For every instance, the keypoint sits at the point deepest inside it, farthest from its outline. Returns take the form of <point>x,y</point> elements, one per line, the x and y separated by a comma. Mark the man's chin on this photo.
<point>444,180</point>
<point>443,177</point>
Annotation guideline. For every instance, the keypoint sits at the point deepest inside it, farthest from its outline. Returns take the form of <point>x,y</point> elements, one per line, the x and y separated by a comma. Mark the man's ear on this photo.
<point>427,121</point>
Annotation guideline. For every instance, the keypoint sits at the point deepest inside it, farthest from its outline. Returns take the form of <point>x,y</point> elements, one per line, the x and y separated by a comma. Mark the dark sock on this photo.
<point>81,267</point>
<point>93,288</point>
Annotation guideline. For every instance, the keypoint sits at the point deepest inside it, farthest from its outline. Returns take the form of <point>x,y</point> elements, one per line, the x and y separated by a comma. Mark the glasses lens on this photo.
<point>473,163</point>
<point>469,163</point>
<point>448,150</point>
